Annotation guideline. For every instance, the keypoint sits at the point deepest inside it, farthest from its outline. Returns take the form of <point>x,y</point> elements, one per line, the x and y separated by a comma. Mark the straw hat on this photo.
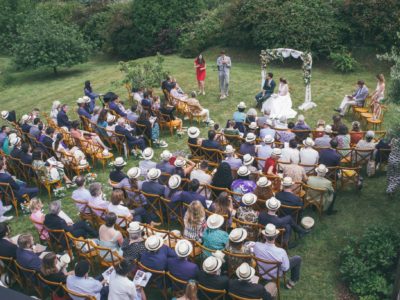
<point>24,118</point>
<point>308,142</point>
<point>134,172</point>
<point>328,129</point>
<point>80,101</point>
<point>135,227</point>
<point>300,118</point>
<point>321,169</point>
<point>83,162</point>
<point>229,149</point>
<point>238,235</point>
<point>148,153</point>
<point>153,174</point>
<point>119,162</point>
<point>245,272</point>
<point>253,125</point>
<point>4,114</point>
<point>86,99</point>
<point>247,159</point>
<point>250,137</point>
<point>180,162</point>
<point>14,140</point>
<point>249,199</point>
<point>276,152</point>
<point>153,243</point>
<point>287,181</point>
<point>263,182</point>
<point>243,171</point>
<point>307,222</point>
<point>273,203</point>
<point>211,264</point>
<point>174,181</point>
<point>110,118</point>
<point>166,155</point>
<point>241,105</point>
<point>215,221</point>
<point>370,134</point>
<point>183,248</point>
<point>193,132</point>
<point>268,139</point>
<point>270,230</point>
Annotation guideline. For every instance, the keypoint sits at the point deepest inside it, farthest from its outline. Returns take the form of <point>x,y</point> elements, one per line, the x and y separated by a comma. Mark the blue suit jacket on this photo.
<point>83,112</point>
<point>157,260</point>
<point>28,259</point>
<point>269,89</point>
<point>62,119</point>
<point>182,268</point>
<point>114,106</point>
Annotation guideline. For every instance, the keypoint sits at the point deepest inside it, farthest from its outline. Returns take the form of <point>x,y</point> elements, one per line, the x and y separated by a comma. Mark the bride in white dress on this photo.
<point>280,104</point>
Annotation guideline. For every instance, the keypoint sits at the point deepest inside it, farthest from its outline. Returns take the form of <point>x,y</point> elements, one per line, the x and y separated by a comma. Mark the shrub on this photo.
<point>394,86</point>
<point>367,264</point>
<point>343,61</point>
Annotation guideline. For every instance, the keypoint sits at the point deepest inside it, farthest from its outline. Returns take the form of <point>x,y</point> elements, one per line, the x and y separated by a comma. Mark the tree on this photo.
<point>44,42</point>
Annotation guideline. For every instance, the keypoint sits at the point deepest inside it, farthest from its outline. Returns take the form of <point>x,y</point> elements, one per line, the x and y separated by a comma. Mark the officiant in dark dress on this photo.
<point>268,90</point>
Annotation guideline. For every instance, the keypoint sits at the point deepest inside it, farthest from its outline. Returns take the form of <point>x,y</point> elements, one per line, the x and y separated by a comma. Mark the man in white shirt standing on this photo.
<point>270,252</point>
<point>224,66</point>
<point>308,155</point>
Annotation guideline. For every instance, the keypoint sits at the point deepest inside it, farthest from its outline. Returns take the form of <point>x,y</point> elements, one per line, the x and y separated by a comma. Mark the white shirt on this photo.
<point>290,154</point>
<point>81,194</point>
<point>270,252</point>
<point>201,176</point>
<point>309,156</point>
<point>121,288</point>
<point>119,210</point>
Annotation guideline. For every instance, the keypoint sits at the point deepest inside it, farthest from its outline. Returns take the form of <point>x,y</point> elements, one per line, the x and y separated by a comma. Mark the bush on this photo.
<point>394,86</point>
<point>343,61</point>
<point>367,264</point>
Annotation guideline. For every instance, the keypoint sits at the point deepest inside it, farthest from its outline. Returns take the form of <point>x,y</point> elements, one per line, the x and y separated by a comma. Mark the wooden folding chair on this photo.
<point>375,123</point>
<point>362,156</point>
<point>7,194</point>
<point>253,229</point>
<point>58,241</point>
<point>154,205</point>
<point>50,289</point>
<point>122,224</point>
<point>350,176</point>
<point>233,259</point>
<point>77,295</point>
<point>213,156</point>
<point>314,197</point>
<point>47,184</point>
<point>98,215</point>
<point>42,232</point>
<point>346,155</point>
<point>84,248</point>
<point>210,294</point>
<point>196,152</point>
<point>107,257</point>
<point>29,281</point>
<point>84,211</point>
<point>294,212</point>
<point>270,271</point>
<point>178,286</point>
<point>10,268</point>
<point>169,238</point>
<point>236,297</point>
<point>174,211</point>
<point>157,280</point>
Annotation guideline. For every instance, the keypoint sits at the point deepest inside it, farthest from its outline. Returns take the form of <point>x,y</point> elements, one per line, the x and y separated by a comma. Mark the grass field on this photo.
<point>320,276</point>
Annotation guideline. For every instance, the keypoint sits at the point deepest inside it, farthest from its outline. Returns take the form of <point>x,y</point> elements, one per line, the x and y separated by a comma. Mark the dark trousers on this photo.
<point>23,189</point>
<point>289,224</point>
<point>260,98</point>
<point>139,142</point>
<point>141,215</point>
<point>295,264</point>
<point>83,229</point>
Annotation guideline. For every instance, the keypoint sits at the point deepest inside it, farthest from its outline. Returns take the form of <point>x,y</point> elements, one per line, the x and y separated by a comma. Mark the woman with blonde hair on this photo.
<point>379,92</point>
<point>194,221</point>
<point>190,292</point>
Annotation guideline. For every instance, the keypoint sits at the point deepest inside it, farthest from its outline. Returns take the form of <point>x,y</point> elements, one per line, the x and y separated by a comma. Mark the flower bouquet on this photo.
<point>59,192</point>
<point>90,177</point>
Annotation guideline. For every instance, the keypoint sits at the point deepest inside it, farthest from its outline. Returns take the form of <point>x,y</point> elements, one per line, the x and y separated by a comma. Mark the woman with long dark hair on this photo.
<point>200,66</point>
<point>222,177</point>
<point>89,93</point>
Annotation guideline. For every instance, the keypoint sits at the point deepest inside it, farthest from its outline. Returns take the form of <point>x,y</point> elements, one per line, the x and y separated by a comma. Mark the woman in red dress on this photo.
<point>200,65</point>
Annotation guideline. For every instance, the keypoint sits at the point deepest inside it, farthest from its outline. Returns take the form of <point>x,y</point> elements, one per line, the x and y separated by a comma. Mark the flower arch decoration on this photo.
<point>269,55</point>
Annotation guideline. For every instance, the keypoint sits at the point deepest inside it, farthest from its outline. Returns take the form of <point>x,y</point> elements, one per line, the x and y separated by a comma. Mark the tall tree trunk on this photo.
<point>55,70</point>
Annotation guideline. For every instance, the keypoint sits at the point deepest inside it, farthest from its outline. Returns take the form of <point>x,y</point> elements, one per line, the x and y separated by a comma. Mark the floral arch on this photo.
<point>269,55</point>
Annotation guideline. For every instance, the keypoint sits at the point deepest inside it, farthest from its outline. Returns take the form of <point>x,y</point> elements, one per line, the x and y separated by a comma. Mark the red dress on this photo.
<point>201,74</point>
<point>270,162</point>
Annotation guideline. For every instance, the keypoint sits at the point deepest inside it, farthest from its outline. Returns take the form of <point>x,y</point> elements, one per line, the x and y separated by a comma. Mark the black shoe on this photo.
<point>338,110</point>
<point>331,212</point>
<point>303,233</point>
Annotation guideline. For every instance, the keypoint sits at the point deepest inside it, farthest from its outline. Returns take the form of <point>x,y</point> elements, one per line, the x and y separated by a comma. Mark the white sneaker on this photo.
<point>5,219</point>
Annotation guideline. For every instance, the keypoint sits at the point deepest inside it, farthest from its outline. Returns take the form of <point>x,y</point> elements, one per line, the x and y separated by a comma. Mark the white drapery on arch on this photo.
<point>280,53</point>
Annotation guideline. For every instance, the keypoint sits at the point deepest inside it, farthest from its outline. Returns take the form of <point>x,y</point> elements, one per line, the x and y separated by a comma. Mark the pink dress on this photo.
<point>38,217</point>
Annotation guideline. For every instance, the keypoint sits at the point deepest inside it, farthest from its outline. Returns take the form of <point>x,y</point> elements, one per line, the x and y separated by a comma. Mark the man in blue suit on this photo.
<point>268,90</point>
<point>358,98</point>
<point>26,255</point>
<point>62,118</point>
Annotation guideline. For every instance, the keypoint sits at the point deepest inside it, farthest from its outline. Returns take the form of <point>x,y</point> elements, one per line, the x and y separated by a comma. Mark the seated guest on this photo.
<point>25,127</point>
<point>5,130</point>
<point>343,139</point>
<point>230,158</point>
<point>201,174</point>
<point>16,144</point>
<point>210,275</point>
<point>113,104</point>
<point>285,222</point>
<point>242,184</point>
<point>194,221</point>
<point>170,118</point>
<point>109,237</point>
<point>214,238</point>
<point>308,155</point>
<point>355,133</point>
<point>82,283</point>
<point>248,161</point>
<point>26,255</point>
<point>287,196</point>
<point>249,146</point>
<point>47,139</point>
<point>270,252</point>
<point>48,170</point>
<point>132,140</point>
<point>251,117</point>
<point>263,189</point>
<point>149,128</point>
<point>133,246</point>
<point>263,119</point>
<point>248,213</point>
<point>282,123</point>
<point>222,177</point>
<point>97,198</point>
<point>183,167</point>
<point>82,108</point>
<point>363,144</point>
<point>303,127</point>
<point>319,130</point>
<point>329,157</point>
<point>62,117</point>
<point>157,254</point>
<point>81,193</point>
<point>146,164</point>
<point>146,102</point>
<point>117,175</point>
<point>133,115</point>
<point>236,245</point>
<point>271,164</point>
<point>223,206</point>
<point>325,139</point>
<point>165,166</point>
<point>152,186</point>
<point>337,122</point>
<point>78,134</point>
<point>291,153</point>
<point>131,186</point>
<point>268,90</point>
<point>192,194</point>
<point>53,270</point>
<point>167,84</point>
<point>320,182</point>
<point>26,155</point>
<point>116,206</point>
<point>295,172</point>
<point>264,150</point>
<point>175,92</point>
<point>180,266</point>
<point>20,189</point>
<point>55,109</point>
<point>231,130</point>
<point>193,133</point>
<point>358,98</point>
<point>35,131</point>
<point>267,129</point>
<point>244,287</point>
<point>239,116</point>
<point>195,108</point>
<point>7,247</point>
<point>210,143</point>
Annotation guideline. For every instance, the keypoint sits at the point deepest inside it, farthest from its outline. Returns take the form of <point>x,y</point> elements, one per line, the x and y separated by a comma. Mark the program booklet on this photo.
<point>141,278</point>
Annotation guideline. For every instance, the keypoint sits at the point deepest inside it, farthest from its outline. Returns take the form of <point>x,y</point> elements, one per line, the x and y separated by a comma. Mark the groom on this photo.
<point>268,90</point>
<point>358,98</point>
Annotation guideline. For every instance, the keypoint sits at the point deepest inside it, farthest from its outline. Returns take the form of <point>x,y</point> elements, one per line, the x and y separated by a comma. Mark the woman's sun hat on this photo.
<point>215,221</point>
<point>308,142</point>
<point>249,199</point>
<point>134,173</point>
<point>238,235</point>
<point>273,204</point>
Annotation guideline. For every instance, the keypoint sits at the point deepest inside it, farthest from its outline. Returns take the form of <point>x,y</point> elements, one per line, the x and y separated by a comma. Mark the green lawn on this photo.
<point>320,277</point>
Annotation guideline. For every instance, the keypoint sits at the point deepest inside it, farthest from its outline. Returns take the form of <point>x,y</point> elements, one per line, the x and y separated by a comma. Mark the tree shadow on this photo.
<point>45,75</point>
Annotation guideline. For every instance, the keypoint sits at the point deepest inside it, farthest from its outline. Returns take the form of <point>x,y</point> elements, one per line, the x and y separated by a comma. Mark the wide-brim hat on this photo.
<point>270,230</point>
<point>263,182</point>
<point>276,152</point>
<point>166,155</point>
<point>148,153</point>
<point>250,137</point>
<point>211,264</point>
<point>245,271</point>
<point>80,101</point>
<point>249,199</point>
<point>308,142</point>
<point>174,181</point>
<point>110,118</point>
<point>25,118</point>
<point>253,125</point>
<point>215,221</point>
<point>86,99</point>
<point>4,114</point>
<point>321,169</point>
<point>243,171</point>
<point>273,203</point>
<point>153,243</point>
<point>179,162</point>
<point>183,248</point>
<point>134,172</point>
<point>119,162</point>
<point>83,162</point>
<point>238,235</point>
<point>193,132</point>
<point>307,222</point>
<point>241,105</point>
<point>153,174</point>
<point>328,129</point>
<point>287,181</point>
<point>268,139</point>
<point>14,141</point>
<point>370,134</point>
<point>229,149</point>
<point>248,159</point>
<point>134,227</point>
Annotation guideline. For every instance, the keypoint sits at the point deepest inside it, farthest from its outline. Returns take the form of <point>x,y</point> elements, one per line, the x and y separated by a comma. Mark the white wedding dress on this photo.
<point>280,104</point>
